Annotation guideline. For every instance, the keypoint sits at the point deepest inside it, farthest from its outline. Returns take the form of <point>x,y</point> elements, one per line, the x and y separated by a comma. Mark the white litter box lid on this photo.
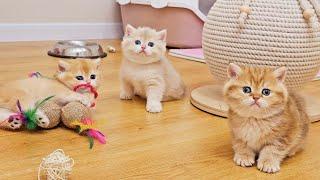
<point>192,5</point>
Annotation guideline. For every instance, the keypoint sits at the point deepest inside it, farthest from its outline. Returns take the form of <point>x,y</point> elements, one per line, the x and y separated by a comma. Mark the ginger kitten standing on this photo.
<point>145,71</point>
<point>265,119</point>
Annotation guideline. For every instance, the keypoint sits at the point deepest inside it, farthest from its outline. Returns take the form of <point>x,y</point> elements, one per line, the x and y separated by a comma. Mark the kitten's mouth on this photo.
<point>255,104</point>
<point>143,53</point>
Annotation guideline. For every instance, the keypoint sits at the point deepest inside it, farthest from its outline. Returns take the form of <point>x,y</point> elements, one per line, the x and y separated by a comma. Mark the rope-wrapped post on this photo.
<point>269,33</point>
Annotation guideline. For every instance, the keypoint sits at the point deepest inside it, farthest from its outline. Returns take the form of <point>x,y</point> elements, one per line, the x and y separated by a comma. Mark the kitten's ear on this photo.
<point>129,30</point>
<point>280,73</point>
<point>234,70</point>
<point>97,62</point>
<point>162,35</point>
<point>63,66</point>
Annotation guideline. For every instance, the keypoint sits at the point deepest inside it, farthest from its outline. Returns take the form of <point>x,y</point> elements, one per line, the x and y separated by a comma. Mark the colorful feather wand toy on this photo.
<point>85,127</point>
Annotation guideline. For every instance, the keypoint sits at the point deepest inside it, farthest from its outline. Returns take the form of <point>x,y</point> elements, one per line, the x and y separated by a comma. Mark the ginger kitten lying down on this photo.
<point>29,91</point>
<point>145,70</point>
<point>265,119</point>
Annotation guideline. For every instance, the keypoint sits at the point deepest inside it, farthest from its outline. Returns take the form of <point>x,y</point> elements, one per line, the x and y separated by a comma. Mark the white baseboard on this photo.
<point>59,31</point>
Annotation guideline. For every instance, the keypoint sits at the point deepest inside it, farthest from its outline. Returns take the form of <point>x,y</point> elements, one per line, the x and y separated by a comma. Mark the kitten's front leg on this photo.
<point>243,155</point>
<point>74,96</point>
<point>270,158</point>
<point>126,90</point>
<point>154,92</point>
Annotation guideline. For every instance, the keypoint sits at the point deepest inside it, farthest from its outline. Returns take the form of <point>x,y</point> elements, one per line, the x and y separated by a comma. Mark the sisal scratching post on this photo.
<point>269,33</point>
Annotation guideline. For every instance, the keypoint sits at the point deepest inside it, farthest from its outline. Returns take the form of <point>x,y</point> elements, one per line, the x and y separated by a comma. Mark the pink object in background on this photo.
<point>317,77</point>
<point>184,26</point>
<point>196,53</point>
<point>190,54</point>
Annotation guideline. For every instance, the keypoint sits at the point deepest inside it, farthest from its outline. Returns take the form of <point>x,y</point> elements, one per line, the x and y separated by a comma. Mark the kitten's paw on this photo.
<point>154,107</point>
<point>42,119</point>
<point>125,96</point>
<point>14,123</point>
<point>85,101</point>
<point>268,165</point>
<point>244,160</point>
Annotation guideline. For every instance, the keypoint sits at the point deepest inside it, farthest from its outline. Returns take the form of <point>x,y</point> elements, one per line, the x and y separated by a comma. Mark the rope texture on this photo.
<point>264,33</point>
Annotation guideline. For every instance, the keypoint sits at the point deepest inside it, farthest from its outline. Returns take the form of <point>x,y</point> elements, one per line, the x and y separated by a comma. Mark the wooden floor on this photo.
<point>182,142</point>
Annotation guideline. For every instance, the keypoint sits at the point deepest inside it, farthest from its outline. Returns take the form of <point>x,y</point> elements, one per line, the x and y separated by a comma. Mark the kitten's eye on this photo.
<point>246,89</point>
<point>79,78</point>
<point>93,76</point>
<point>137,42</point>
<point>266,92</point>
<point>151,44</point>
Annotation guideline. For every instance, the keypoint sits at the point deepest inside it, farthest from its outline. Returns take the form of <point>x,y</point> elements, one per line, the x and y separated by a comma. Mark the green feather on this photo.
<point>31,119</point>
<point>31,115</point>
<point>91,142</point>
<point>78,129</point>
<point>39,104</point>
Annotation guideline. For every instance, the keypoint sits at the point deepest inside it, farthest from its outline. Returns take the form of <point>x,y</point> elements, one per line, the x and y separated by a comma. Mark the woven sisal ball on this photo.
<point>53,112</point>
<point>74,111</point>
<point>269,33</point>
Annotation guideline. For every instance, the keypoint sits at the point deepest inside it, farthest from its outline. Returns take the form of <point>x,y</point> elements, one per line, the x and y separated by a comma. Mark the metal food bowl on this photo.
<point>77,49</point>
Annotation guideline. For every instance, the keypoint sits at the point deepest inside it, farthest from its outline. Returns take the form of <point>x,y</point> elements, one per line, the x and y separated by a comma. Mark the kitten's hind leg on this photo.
<point>29,103</point>
<point>26,102</point>
<point>42,119</point>
<point>174,94</point>
<point>6,122</point>
<point>297,148</point>
<point>126,90</point>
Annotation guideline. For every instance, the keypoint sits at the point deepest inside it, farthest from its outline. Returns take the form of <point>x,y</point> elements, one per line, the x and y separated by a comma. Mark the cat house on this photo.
<point>184,19</point>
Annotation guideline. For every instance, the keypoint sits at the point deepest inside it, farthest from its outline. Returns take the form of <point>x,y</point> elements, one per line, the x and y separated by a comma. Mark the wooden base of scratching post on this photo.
<point>210,99</point>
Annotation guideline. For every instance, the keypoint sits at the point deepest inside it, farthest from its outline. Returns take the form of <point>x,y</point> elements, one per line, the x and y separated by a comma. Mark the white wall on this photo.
<point>59,19</point>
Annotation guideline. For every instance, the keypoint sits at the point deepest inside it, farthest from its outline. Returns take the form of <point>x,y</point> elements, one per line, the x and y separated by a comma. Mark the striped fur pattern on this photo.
<point>265,119</point>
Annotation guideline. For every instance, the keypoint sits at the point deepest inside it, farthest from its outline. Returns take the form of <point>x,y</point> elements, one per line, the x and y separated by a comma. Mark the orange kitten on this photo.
<point>29,91</point>
<point>265,119</point>
<point>145,70</point>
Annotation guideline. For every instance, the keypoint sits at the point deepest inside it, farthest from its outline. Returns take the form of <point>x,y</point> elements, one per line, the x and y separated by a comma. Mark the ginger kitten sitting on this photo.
<point>145,70</point>
<point>29,91</point>
<point>265,119</point>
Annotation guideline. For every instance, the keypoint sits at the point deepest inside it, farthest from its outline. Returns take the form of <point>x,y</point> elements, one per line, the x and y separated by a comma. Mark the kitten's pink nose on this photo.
<point>143,46</point>
<point>255,98</point>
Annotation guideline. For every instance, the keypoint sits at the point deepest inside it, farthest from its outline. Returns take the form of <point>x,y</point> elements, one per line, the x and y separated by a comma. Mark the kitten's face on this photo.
<point>143,45</point>
<point>255,92</point>
<point>76,72</point>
